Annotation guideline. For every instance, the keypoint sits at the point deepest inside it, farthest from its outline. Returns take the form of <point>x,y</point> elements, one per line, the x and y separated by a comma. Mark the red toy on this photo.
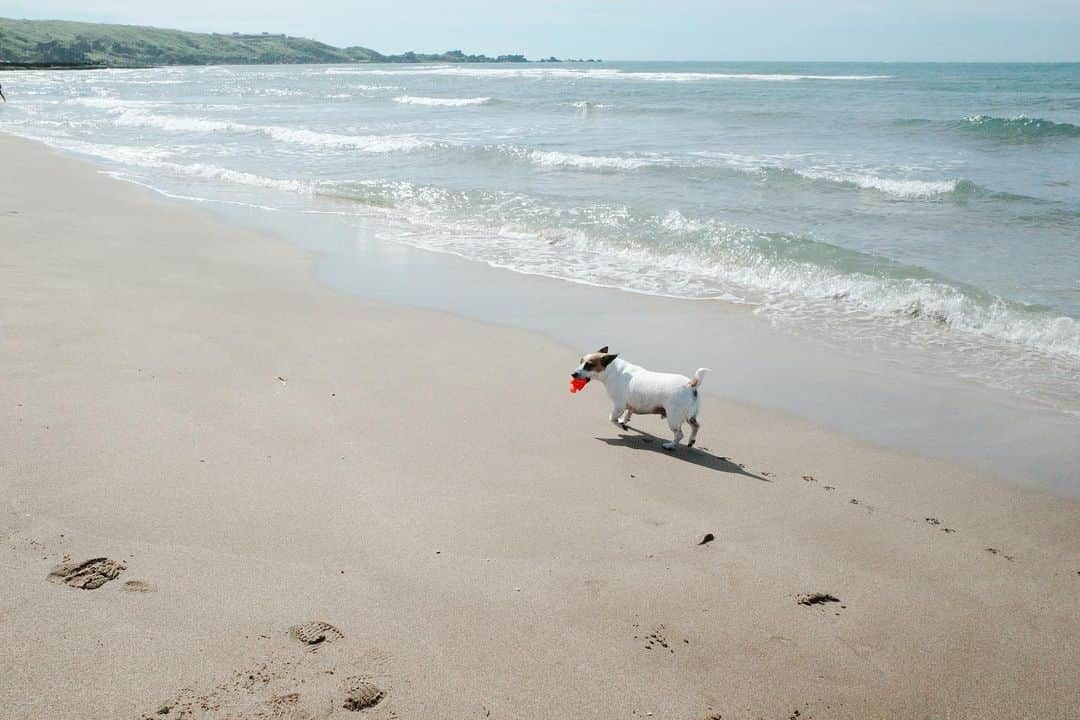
<point>576,384</point>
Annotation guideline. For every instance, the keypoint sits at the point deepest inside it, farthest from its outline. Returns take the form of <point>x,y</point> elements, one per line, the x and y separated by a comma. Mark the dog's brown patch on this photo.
<point>658,410</point>
<point>592,362</point>
<point>598,361</point>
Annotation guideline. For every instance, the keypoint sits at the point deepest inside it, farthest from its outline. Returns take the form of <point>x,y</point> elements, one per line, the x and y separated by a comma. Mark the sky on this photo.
<point>887,30</point>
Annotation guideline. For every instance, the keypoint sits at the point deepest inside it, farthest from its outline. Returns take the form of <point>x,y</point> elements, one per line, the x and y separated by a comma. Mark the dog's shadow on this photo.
<point>695,455</point>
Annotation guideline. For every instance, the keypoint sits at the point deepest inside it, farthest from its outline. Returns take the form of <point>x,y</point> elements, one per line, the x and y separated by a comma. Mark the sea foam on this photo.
<point>555,159</point>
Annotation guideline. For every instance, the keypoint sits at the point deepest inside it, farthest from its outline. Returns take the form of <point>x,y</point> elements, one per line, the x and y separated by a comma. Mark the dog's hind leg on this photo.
<point>676,430</point>
<point>694,427</point>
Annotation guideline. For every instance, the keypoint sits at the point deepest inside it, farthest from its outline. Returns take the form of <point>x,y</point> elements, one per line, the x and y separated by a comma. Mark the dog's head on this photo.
<point>593,365</point>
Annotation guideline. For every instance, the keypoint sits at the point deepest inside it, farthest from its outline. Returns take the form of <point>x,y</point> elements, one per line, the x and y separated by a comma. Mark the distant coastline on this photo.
<point>64,66</point>
<point>59,44</point>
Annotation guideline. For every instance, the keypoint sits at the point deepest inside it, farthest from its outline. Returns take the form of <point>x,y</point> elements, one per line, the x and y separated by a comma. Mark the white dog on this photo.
<point>634,389</point>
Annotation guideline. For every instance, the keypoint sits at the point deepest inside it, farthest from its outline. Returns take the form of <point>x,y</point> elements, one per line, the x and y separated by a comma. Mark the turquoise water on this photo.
<point>888,205</point>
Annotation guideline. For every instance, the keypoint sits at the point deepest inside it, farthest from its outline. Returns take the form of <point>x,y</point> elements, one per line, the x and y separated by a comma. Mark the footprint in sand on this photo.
<point>291,684</point>
<point>934,522</point>
<point>658,639</point>
<point>138,586</point>
<point>315,632</point>
<point>361,694</point>
<point>87,575</point>
<point>812,479</point>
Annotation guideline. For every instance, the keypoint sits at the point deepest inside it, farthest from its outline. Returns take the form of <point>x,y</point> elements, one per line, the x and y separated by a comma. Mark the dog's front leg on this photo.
<point>624,421</point>
<point>616,415</point>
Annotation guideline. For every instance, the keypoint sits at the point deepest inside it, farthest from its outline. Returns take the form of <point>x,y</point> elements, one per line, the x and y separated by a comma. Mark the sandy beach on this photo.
<point>254,452</point>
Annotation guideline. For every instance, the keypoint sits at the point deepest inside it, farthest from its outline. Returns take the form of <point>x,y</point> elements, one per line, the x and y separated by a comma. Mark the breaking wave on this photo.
<point>555,159</point>
<point>905,188</point>
<point>897,187</point>
<point>297,136</point>
<point>775,167</point>
<point>1019,129</point>
<point>440,101</point>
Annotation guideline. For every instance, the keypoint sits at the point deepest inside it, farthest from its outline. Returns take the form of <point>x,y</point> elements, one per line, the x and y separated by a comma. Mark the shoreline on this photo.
<point>261,450</point>
<point>856,391</point>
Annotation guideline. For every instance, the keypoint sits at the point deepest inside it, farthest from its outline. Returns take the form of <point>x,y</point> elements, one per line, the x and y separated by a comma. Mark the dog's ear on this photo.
<point>602,350</point>
<point>608,358</point>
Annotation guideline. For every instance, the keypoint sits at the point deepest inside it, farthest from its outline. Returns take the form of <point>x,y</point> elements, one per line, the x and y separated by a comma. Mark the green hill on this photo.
<point>59,42</point>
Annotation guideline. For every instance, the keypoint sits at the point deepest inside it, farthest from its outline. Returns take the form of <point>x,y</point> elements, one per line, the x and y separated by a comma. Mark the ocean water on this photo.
<point>886,206</point>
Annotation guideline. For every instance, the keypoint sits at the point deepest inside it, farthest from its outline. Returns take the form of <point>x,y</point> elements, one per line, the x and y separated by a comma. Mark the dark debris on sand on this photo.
<point>816,598</point>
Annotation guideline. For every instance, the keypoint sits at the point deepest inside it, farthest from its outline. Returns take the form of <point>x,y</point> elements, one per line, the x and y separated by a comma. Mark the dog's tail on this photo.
<point>699,375</point>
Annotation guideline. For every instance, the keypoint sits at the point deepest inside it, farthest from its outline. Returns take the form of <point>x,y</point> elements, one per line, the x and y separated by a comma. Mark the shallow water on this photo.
<point>881,207</point>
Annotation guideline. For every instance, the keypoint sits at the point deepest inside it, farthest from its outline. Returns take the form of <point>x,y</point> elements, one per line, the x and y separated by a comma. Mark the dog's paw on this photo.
<point>670,446</point>
<point>624,426</point>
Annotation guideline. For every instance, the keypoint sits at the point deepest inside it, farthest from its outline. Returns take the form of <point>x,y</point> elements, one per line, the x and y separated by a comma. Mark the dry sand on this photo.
<point>255,452</point>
